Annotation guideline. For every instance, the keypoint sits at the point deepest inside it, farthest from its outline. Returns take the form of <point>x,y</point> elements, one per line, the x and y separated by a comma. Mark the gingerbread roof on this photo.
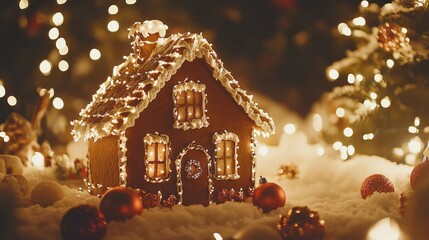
<point>136,82</point>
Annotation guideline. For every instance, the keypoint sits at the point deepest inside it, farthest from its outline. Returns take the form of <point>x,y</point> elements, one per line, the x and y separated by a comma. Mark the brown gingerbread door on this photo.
<point>193,182</point>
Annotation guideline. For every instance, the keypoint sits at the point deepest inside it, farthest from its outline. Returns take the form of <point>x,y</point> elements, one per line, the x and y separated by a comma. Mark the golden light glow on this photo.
<point>63,51</point>
<point>23,4</point>
<point>351,78</point>
<point>2,134</point>
<point>113,26</point>
<point>398,152</point>
<point>333,74</point>
<point>385,229</point>
<point>2,91</point>
<point>38,160</point>
<point>6,138</point>
<point>404,30</point>
<point>390,63</point>
<point>410,159</point>
<point>385,102</point>
<point>53,33</point>
<point>337,145</point>
<point>289,128</point>
<point>344,29</point>
<point>130,2</point>
<point>263,150</point>
<point>340,112</point>
<point>373,95</point>
<point>61,2</point>
<point>412,129</point>
<point>95,54</point>
<point>45,67</point>
<point>378,77</point>
<point>368,136</point>
<point>217,236</point>
<point>359,21</point>
<point>11,100</point>
<point>350,150</point>
<point>415,145</point>
<point>364,3</point>
<point>359,77</point>
<point>58,19</point>
<point>317,122</point>
<point>348,132</point>
<point>58,103</point>
<point>417,121</point>
<point>113,9</point>
<point>60,43</point>
<point>63,65</point>
<point>320,150</point>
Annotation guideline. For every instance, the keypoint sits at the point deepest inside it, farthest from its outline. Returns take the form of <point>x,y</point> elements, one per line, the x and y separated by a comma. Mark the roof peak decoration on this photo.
<point>137,81</point>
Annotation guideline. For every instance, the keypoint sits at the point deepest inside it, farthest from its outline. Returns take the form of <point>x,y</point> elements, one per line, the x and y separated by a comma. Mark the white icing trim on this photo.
<point>179,183</point>
<point>253,143</point>
<point>123,160</point>
<point>112,122</point>
<point>217,138</point>
<point>194,123</point>
<point>162,139</point>
<point>148,27</point>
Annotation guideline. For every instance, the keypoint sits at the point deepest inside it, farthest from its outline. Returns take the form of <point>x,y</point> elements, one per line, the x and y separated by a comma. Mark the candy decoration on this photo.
<point>170,201</point>
<point>149,200</point>
<point>18,183</point>
<point>376,183</point>
<point>120,204</point>
<point>419,173</point>
<point>46,193</point>
<point>223,196</point>
<point>83,222</point>
<point>301,224</point>
<point>193,169</point>
<point>269,196</point>
<point>239,196</point>
<point>391,37</point>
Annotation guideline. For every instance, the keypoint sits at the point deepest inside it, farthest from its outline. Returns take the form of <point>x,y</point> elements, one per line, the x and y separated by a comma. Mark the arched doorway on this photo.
<point>194,178</point>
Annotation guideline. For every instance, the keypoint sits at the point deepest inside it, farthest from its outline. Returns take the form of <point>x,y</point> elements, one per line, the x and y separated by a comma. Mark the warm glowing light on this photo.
<point>6,138</point>
<point>130,2</point>
<point>61,1</point>
<point>2,134</point>
<point>11,100</point>
<point>320,150</point>
<point>337,145</point>
<point>364,3</point>
<point>359,21</point>
<point>344,29</point>
<point>113,26</point>
<point>373,95</point>
<point>63,65</point>
<point>404,30</point>
<point>289,128</point>
<point>45,67</point>
<point>53,33</point>
<point>23,4</point>
<point>340,112</point>
<point>343,153</point>
<point>58,103</point>
<point>263,150</point>
<point>385,229</point>
<point>417,121</point>
<point>38,160</point>
<point>415,145</point>
<point>113,9</point>
<point>390,63</point>
<point>2,91</point>
<point>385,102</point>
<point>378,77</point>
<point>95,54</point>
<point>58,19</point>
<point>60,43</point>
<point>412,129</point>
<point>350,150</point>
<point>63,51</point>
<point>217,236</point>
<point>398,152</point>
<point>359,77</point>
<point>333,74</point>
<point>348,132</point>
<point>317,122</point>
<point>368,136</point>
<point>351,78</point>
<point>410,159</point>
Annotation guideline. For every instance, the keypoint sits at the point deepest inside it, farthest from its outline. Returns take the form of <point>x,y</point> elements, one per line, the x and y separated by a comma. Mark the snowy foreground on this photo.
<point>325,184</point>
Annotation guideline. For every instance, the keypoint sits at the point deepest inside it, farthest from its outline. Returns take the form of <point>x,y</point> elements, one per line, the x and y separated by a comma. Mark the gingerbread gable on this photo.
<point>137,81</point>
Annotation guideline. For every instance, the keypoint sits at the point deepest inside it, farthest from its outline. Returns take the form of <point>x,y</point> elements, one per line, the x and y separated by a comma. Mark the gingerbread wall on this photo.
<point>224,114</point>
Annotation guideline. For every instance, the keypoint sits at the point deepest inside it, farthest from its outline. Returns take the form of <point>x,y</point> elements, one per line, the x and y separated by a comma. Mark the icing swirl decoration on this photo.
<point>193,169</point>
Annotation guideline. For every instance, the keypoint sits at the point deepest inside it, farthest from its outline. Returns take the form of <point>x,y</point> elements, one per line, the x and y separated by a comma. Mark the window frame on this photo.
<point>218,138</point>
<point>157,138</point>
<point>193,123</point>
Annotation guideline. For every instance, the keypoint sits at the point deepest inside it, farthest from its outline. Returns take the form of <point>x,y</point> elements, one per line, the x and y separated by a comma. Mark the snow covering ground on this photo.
<point>325,184</point>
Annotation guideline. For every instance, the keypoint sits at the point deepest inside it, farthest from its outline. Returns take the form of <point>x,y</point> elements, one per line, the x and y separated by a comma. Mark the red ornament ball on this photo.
<point>376,183</point>
<point>301,223</point>
<point>120,204</point>
<point>420,172</point>
<point>269,196</point>
<point>84,222</point>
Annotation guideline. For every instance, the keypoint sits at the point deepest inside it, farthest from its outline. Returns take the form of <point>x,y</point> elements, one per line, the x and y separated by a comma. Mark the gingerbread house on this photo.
<point>173,120</point>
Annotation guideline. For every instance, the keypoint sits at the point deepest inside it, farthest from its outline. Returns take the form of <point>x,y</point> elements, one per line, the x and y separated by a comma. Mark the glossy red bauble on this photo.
<point>269,196</point>
<point>83,222</point>
<point>376,183</point>
<point>120,204</point>
<point>420,172</point>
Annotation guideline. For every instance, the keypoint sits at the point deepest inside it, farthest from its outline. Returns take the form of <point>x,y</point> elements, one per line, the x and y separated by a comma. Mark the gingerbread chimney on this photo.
<point>145,36</point>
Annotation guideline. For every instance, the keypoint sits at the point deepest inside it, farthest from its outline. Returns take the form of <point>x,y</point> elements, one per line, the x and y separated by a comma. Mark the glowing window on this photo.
<point>157,157</point>
<point>226,156</point>
<point>189,105</point>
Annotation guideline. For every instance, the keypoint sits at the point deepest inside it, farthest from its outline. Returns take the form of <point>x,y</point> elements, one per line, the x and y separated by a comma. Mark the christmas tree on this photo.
<point>381,107</point>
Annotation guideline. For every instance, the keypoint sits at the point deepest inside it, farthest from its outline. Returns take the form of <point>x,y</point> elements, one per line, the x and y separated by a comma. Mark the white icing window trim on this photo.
<point>151,139</point>
<point>194,123</point>
<point>217,138</point>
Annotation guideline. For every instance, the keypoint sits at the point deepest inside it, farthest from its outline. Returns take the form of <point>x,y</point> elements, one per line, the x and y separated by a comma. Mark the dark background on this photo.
<point>279,48</point>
